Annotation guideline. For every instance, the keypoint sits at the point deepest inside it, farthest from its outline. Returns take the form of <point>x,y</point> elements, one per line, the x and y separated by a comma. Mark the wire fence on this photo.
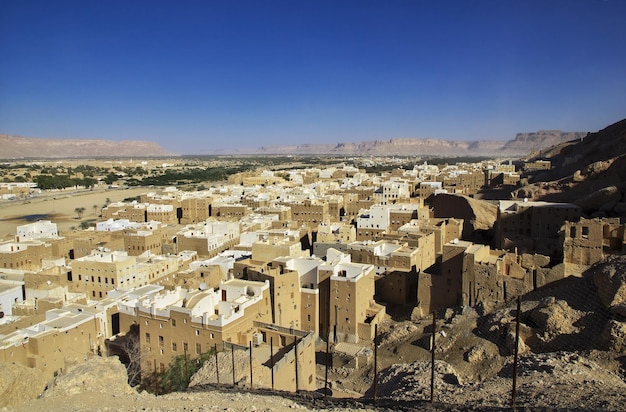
<point>552,348</point>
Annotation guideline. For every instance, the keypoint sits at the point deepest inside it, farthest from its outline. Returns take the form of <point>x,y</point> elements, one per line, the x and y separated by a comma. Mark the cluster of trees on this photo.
<point>46,181</point>
<point>175,177</point>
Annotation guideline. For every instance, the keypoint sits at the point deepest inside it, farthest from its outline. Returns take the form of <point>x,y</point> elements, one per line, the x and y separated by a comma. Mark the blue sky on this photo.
<point>196,76</point>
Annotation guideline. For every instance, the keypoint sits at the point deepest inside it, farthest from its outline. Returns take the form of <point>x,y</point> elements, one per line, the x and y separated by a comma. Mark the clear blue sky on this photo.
<point>201,75</point>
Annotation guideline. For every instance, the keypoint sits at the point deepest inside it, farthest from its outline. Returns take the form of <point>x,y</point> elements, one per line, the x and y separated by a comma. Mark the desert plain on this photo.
<point>59,207</point>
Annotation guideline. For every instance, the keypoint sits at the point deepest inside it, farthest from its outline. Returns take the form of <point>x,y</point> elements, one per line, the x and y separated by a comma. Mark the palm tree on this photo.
<point>79,211</point>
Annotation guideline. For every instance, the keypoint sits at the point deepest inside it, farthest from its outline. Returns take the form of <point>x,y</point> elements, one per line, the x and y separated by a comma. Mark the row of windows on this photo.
<point>174,345</point>
<point>93,279</point>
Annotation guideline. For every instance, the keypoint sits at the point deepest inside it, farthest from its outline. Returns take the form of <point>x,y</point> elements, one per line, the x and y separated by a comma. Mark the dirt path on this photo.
<point>58,207</point>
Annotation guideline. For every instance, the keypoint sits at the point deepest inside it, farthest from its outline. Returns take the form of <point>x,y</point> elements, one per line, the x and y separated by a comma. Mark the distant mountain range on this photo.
<point>523,144</point>
<point>14,147</point>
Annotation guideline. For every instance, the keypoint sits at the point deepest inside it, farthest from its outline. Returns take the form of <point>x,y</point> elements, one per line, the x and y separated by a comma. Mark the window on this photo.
<point>174,322</point>
<point>585,232</point>
<point>198,348</point>
<point>174,347</point>
<point>185,346</point>
<point>161,341</point>
<point>197,333</point>
<point>147,337</point>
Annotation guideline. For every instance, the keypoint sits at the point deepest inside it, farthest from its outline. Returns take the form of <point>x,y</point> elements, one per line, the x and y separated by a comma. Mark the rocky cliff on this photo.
<point>535,141</point>
<point>414,147</point>
<point>16,147</point>
<point>588,171</point>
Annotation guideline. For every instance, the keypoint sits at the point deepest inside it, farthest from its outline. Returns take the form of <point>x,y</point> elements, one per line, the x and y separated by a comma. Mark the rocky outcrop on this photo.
<point>478,216</point>
<point>615,336</point>
<point>15,147</point>
<point>101,375</point>
<point>609,276</point>
<point>553,318</point>
<point>19,384</point>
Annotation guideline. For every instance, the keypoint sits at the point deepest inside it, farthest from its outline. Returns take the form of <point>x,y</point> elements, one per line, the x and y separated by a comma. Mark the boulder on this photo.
<point>596,167</point>
<point>609,277</point>
<point>554,317</point>
<point>476,354</point>
<point>615,336</point>
<point>577,176</point>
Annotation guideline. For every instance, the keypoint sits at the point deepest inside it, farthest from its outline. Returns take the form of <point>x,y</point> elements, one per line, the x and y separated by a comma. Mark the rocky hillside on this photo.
<point>15,147</point>
<point>536,141</point>
<point>589,172</point>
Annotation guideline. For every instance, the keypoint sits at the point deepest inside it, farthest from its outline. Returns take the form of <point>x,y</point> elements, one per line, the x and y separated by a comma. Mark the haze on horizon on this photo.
<point>201,75</point>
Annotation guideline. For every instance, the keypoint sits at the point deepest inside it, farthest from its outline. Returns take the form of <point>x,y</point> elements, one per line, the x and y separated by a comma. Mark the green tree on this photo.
<point>110,178</point>
<point>79,211</point>
<point>85,224</point>
<point>180,370</point>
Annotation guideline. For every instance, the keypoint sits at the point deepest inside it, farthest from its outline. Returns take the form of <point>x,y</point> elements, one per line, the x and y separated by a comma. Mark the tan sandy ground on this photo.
<point>59,207</point>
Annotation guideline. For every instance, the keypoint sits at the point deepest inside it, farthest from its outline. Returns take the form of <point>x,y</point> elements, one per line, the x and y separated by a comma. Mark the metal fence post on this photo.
<point>326,373</point>
<point>295,348</point>
<point>432,360</point>
<point>375,363</point>
<point>232,353</point>
<point>217,365</point>
<point>516,352</point>
<point>250,364</point>
<point>272,359</point>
